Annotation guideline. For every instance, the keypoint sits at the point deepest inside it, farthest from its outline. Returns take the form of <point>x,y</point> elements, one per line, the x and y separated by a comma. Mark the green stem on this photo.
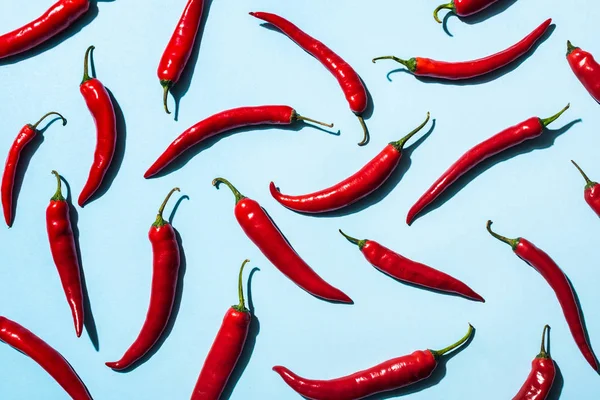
<point>359,243</point>
<point>400,143</point>
<point>448,6</point>
<point>411,64</point>
<point>548,121</point>
<point>238,196</point>
<point>298,117</point>
<point>166,86</point>
<point>570,47</point>
<point>365,131</point>
<point>543,351</point>
<point>439,353</point>
<point>588,182</point>
<point>64,120</point>
<point>86,63</point>
<point>511,242</point>
<point>159,217</point>
<point>242,306</point>
<point>58,195</point>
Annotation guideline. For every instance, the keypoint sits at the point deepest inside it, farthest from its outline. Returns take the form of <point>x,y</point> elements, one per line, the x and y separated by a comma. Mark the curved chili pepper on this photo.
<point>559,282</point>
<point>180,47</point>
<point>226,349</point>
<point>64,253</point>
<point>165,273</point>
<point>405,270</point>
<point>49,359</point>
<point>364,182</point>
<point>24,137</point>
<point>389,375</point>
<point>420,66</point>
<point>55,20</point>
<point>540,379</point>
<point>510,137</point>
<point>263,232</point>
<point>591,193</point>
<point>223,122</point>
<point>100,105</point>
<point>585,68</point>
<point>463,8</point>
<point>348,79</point>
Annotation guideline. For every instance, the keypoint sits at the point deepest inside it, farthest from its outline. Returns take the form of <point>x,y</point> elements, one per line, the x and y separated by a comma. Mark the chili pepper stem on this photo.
<point>166,87</point>
<point>64,120</point>
<point>359,243</point>
<point>448,6</point>
<point>400,143</point>
<point>588,182</point>
<point>86,63</point>
<point>159,217</point>
<point>58,195</point>
<point>570,47</point>
<point>238,196</point>
<point>242,306</point>
<point>411,64</point>
<point>548,121</point>
<point>365,131</point>
<point>298,117</point>
<point>543,351</point>
<point>439,353</point>
<point>511,242</point>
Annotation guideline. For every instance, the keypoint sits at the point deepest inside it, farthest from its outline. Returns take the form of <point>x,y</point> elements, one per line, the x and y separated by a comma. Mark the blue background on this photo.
<point>531,191</point>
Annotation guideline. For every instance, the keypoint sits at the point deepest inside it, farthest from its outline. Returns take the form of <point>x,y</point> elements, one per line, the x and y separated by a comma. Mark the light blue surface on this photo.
<point>537,195</point>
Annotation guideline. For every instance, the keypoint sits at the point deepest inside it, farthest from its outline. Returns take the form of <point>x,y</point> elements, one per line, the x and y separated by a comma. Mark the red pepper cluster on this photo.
<point>262,230</point>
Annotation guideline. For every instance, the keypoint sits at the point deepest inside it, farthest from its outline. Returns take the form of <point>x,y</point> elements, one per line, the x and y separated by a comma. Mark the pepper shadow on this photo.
<point>74,29</point>
<point>557,386</point>
<point>181,88</point>
<point>438,374</point>
<point>24,161</point>
<point>544,141</point>
<point>388,186</point>
<point>479,80</point>
<point>253,332</point>
<point>176,302</point>
<point>193,151</point>
<point>88,320</point>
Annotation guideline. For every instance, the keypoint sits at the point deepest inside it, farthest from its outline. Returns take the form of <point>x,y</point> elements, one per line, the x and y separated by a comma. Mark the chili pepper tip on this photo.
<point>448,6</point>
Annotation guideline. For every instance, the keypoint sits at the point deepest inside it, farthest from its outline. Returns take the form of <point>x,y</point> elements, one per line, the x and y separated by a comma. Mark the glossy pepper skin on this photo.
<point>389,375</point>
<point>180,47</point>
<point>64,253</point>
<point>223,122</point>
<point>348,79</point>
<point>463,8</point>
<point>591,193</point>
<point>540,379</point>
<point>364,182</point>
<point>261,230</point>
<point>55,20</point>
<point>226,349</point>
<point>559,282</point>
<point>420,66</point>
<point>510,137</point>
<point>405,270</point>
<point>585,68</point>
<point>24,137</point>
<point>49,359</point>
<point>100,105</point>
<point>165,274</point>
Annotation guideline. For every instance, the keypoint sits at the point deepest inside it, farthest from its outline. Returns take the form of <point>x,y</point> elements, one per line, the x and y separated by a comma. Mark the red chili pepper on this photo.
<point>463,8</point>
<point>540,379</point>
<point>49,359</point>
<point>180,47</point>
<point>165,251</point>
<point>64,253</point>
<point>226,349</point>
<point>348,79</point>
<point>469,69</point>
<point>510,137</point>
<point>389,375</point>
<point>100,105</point>
<point>259,228</point>
<point>405,270</point>
<point>586,69</point>
<point>223,122</point>
<point>24,137</point>
<point>591,192</point>
<point>55,20</point>
<point>559,282</point>
<point>368,179</point>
